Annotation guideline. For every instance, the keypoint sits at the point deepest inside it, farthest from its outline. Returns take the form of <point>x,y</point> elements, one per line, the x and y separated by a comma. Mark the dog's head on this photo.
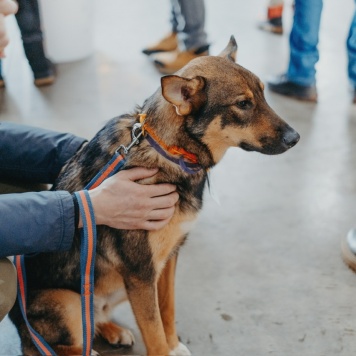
<point>223,105</point>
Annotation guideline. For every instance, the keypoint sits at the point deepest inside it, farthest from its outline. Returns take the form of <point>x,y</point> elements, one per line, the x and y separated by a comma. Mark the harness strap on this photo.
<point>87,263</point>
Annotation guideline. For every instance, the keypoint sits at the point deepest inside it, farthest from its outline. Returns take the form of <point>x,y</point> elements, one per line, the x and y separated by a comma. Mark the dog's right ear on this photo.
<point>185,94</point>
<point>230,51</point>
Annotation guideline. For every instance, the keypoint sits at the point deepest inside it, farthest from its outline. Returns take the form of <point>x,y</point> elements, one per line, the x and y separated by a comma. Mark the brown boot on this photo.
<point>166,44</point>
<point>177,60</point>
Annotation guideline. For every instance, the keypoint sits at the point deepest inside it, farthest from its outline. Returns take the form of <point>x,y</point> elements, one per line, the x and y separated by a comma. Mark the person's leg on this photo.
<point>28,20</point>
<point>303,42</point>
<point>169,42</point>
<point>2,83</point>
<point>175,13</point>
<point>299,80</point>
<point>193,32</point>
<point>8,286</point>
<point>190,17</point>
<point>351,52</point>
<point>273,23</point>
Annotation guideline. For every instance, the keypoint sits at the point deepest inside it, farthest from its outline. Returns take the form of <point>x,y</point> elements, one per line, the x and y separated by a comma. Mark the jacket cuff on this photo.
<point>67,223</point>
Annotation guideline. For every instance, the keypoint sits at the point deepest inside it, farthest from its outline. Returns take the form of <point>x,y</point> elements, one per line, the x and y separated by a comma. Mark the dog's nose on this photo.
<point>291,137</point>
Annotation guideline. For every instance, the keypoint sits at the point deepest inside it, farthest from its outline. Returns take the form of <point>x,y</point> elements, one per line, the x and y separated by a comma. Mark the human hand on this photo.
<point>7,7</point>
<point>121,203</point>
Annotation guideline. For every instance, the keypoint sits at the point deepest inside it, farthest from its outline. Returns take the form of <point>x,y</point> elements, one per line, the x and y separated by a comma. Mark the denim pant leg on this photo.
<point>28,20</point>
<point>190,17</point>
<point>175,14</point>
<point>303,41</point>
<point>351,52</point>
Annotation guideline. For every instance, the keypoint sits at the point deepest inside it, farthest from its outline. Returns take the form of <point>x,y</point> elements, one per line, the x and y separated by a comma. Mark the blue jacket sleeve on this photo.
<point>36,222</point>
<point>34,155</point>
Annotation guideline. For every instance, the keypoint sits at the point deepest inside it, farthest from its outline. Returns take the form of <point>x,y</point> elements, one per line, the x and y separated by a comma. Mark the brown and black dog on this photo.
<point>209,106</point>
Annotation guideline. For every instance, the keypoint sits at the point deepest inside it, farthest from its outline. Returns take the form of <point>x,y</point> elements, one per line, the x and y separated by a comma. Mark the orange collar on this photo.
<point>173,150</point>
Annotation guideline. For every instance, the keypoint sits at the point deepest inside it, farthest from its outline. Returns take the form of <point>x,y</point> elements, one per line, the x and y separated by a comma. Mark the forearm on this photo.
<point>34,155</point>
<point>36,222</point>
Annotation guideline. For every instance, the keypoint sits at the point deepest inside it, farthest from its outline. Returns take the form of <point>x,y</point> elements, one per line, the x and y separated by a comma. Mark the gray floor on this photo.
<point>261,273</point>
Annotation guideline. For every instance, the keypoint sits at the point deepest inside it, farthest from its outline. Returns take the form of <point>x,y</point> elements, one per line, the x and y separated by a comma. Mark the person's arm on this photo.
<point>34,155</point>
<point>36,222</point>
<point>7,7</point>
<point>45,221</point>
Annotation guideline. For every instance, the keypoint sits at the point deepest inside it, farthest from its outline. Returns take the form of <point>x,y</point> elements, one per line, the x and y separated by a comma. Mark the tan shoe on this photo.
<point>47,77</point>
<point>41,82</point>
<point>2,83</point>
<point>166,44</point>
<point>177,60</point>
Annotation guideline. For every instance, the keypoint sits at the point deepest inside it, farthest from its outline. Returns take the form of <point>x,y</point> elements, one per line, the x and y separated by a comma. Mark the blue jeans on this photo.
<point>188,20</point>
<point>304,40</point>
<point>351,52</point>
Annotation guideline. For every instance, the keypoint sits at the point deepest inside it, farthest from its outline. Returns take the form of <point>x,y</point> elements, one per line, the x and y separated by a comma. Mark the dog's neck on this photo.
<point>171,129</point>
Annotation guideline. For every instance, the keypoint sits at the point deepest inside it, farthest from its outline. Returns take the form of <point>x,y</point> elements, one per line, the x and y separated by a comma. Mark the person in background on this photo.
<point>299,80</point>
<point>274,22</point>
<point>29,22</point>
<point>187,39</point>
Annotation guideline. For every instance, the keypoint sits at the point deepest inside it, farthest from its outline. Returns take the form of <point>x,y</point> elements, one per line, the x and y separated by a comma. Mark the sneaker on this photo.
<point>178,60</point>
<point>274,20</point>
<point>282,85</point>
<point>348,249</point>
<point>166,44</point>
<point>47,77</point>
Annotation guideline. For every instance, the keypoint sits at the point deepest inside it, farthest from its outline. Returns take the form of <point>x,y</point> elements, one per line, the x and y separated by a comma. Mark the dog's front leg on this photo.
<point>144,302</point>
<point>167,307</point>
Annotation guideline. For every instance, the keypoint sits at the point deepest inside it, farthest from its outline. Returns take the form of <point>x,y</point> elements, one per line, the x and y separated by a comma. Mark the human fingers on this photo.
<point>164,201</point>
<point>138,173</point>
<point>153,225</point>
<point>8,7</point>
<point>153,190</point>
<point>161,214</point>
<point>162,189</point>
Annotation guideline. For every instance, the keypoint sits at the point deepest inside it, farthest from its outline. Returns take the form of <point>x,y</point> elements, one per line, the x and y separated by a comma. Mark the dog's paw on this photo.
<point>180,350</point>
<point>115,334</point>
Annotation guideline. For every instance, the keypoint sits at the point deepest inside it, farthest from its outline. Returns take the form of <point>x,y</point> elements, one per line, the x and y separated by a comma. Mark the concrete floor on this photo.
<point>261,273</point>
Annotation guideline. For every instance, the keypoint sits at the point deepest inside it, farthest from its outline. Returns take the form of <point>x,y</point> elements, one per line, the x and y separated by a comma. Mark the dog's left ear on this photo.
<point>185,94</point>
<point>230,51</point>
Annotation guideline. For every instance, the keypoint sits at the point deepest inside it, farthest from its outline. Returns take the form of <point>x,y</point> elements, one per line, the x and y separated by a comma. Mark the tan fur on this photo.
<point>162,246</point>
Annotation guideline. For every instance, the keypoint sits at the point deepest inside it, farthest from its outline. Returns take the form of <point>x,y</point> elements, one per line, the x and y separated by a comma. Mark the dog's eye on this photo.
<point>244,104</point>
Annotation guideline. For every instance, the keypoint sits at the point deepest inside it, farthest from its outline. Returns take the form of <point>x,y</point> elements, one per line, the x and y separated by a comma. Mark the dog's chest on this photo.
<point>166,240</point>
